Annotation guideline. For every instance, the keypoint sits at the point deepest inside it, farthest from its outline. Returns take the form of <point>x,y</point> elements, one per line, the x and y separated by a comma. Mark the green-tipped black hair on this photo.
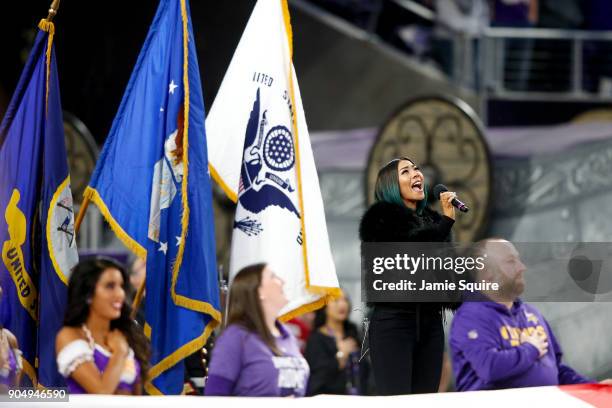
<point>387,186</point>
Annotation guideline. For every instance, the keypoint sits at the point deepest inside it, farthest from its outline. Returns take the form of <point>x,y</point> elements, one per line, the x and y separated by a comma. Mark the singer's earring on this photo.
<point>262,298</point>
<point>89,300</point>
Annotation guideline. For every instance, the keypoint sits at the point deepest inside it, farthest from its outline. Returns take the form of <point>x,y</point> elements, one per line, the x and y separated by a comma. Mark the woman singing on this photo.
<point>406,339</point>
<point>100,349</point>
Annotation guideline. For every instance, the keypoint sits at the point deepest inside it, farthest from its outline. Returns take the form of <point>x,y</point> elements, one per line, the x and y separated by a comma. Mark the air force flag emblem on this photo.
<point>167,178</point>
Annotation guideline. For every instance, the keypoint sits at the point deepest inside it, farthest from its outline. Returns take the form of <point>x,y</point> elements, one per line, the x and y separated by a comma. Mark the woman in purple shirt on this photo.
<point>256,355</point>
<point>100,349</point>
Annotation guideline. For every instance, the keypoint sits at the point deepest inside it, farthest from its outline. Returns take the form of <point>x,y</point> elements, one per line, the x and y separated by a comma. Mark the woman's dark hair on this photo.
<point>81,288</point>
<point>350,329</point>
<point>245,307</point>
<point>387,186</point>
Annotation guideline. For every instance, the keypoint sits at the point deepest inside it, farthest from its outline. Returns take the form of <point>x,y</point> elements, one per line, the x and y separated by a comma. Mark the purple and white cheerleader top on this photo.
<point>80,351</point>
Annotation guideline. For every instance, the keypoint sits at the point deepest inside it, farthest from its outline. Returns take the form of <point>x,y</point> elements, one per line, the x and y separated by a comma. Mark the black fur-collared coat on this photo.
<point>388,222</point>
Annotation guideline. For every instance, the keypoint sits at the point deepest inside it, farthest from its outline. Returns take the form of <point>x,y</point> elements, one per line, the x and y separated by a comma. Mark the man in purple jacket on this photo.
<point>503,342</point>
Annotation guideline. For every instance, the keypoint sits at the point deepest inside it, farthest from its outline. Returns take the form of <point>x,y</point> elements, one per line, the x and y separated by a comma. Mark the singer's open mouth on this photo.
<point>417,186</point>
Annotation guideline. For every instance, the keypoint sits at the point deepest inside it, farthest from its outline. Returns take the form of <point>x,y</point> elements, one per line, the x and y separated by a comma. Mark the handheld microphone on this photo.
<point>441,188</point>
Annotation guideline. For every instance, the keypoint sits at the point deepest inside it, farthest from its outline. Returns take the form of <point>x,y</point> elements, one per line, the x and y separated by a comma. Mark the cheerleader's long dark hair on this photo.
<point>82,286</point>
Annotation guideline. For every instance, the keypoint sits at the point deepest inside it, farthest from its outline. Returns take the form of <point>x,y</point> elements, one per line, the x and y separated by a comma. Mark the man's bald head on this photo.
<point>503,265</point>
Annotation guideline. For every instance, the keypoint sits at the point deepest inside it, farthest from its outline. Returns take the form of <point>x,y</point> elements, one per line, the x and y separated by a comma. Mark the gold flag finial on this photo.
<point>53,10</point>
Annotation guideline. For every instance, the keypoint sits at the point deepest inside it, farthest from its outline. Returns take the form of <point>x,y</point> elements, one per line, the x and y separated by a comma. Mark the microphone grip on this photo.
<point>460,205</point>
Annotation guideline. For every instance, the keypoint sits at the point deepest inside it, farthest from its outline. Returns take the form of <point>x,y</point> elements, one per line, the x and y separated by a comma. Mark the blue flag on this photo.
<point>152,185</point>
<point>37,220</point>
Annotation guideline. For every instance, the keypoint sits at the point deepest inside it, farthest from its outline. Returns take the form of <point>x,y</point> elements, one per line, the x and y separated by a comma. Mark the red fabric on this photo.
<point>598,395</point>
<point>299,330</point>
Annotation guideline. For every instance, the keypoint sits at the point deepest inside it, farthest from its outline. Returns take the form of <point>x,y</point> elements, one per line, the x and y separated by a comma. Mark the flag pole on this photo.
<point>224,289</point>
<point>138,298</point>
<point>81,214</point>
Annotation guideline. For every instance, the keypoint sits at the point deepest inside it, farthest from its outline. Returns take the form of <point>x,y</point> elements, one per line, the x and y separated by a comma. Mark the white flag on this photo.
<point>259,152</point>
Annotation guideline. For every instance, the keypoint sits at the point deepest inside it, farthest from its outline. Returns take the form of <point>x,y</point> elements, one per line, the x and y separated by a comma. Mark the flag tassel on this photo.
<point>46,25</point>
